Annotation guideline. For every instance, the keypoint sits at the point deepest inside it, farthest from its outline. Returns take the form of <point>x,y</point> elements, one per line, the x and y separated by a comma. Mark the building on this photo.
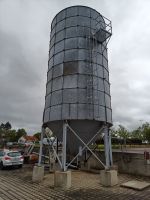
<point>27,139</point>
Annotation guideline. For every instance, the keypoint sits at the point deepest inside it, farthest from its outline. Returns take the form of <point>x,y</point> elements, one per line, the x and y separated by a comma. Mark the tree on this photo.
<point>20,132</point>
<point>1,135</point>
<point>122,132</point>
<point>2,126</point>
<point>5,129</point>
<point>138,133</point>
<point>7,126</point>
<point>146,131</point>
<point>37,135</point>
<point>114,132</point>
<point>142,132</point>
<point>11,136</point>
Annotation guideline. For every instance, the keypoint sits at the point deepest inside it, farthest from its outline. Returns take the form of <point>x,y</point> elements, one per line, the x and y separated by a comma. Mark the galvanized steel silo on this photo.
<point>78,88</point>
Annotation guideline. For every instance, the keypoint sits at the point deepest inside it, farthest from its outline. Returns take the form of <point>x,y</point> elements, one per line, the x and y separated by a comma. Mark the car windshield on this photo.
<point>1,153</point>
<point>14,154</point>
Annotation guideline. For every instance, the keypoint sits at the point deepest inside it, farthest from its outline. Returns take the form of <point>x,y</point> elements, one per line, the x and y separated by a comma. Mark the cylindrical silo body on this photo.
<point>78,88</point>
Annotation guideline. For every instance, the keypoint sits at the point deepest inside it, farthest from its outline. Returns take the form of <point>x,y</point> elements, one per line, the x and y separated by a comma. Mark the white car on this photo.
<point>10,158</point>
<point>50,141</point>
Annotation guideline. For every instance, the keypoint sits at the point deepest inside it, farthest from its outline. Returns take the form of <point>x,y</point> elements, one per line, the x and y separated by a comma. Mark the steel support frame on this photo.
<point>85,146</point>
<point>107,144</point>
<point>41,147</point>
<point>64,165</point>
<point>64,152</point>
<point>108,148</point>
<point>55,152</point>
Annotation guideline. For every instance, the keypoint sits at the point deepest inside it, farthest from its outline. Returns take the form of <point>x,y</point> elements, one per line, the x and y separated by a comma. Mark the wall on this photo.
<point>131,163</point>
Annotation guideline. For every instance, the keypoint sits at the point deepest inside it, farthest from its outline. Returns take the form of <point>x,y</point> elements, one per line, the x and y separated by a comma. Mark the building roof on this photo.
<point>30,138</point>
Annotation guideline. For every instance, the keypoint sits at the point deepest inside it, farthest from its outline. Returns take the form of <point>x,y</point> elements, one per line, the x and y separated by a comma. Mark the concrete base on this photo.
<point>108,178</point>
<point>62,179</point>
<point>136,185</point>
<point>38,173</point>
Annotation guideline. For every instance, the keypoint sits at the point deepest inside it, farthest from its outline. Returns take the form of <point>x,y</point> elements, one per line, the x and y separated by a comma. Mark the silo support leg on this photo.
<point>63,178</point>
<point>110,150</point>
<point>107,144</point>
<point>38,171</point>
<point>108,176</point>
<point>41,147</point>
<point>64,147</point>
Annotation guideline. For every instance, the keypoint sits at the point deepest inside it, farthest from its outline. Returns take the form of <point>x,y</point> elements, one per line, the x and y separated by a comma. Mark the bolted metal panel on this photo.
<point>78,88</point>
<point>58,71</point>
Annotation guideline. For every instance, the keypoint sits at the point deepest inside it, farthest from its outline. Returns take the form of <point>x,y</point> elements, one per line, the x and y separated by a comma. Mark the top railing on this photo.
<point>103,28</point>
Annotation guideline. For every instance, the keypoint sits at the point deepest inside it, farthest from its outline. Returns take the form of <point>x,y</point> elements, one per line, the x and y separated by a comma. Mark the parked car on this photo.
<point>10,158</point>
<point>8,144</point>
<point>50,141</point>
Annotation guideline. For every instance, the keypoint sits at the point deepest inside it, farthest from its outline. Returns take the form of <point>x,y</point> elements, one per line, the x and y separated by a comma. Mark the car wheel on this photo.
<point>1,165</point>
<point>19,166</point>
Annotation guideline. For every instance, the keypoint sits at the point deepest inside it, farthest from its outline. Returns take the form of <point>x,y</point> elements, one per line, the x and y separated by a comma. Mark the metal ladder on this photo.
<point>92,96</point>
<point>95,73</point>
<point>89,80</point>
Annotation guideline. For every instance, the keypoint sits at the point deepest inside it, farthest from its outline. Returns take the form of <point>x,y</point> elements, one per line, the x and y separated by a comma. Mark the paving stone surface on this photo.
<point>16,184</point>
<point>137,185</point>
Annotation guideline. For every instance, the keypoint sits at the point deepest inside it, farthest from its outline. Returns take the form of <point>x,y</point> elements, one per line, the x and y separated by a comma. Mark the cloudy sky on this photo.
<point>24,43</point>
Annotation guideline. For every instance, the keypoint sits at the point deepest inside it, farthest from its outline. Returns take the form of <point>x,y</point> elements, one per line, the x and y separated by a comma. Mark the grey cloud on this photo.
<point>19,83</point>
<point>24,43</point>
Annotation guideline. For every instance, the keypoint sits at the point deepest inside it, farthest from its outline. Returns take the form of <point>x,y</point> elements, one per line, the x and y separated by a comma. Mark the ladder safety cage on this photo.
<point>89,80</point>
<point>100,36</point>
<point>103,29</point>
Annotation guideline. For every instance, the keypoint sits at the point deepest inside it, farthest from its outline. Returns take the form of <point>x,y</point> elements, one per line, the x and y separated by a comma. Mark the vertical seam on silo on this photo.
<point>77,62</point>
<point>90,76</point>
<point>62,103</point>
<point>93,75</point>
<point>92,102</point>
<point>104,89</point>
<point>52,68</point>
<point>88,66</point>
<point>109,90</point>
<point>96,75</point>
